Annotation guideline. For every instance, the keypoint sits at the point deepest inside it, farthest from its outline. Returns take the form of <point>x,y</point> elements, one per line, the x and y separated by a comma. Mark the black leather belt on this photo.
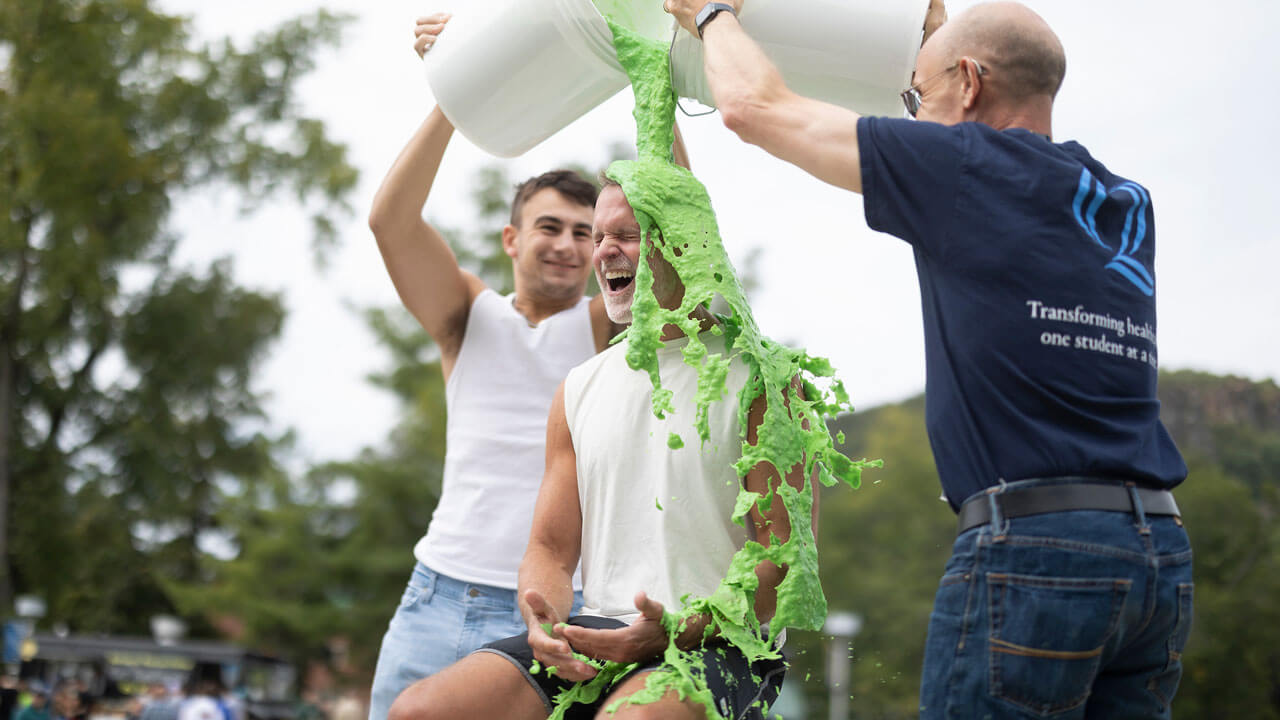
<point>1057,498</point>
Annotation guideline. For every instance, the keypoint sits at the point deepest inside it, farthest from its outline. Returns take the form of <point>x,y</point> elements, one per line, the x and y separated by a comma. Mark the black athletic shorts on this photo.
<point>731,680</point>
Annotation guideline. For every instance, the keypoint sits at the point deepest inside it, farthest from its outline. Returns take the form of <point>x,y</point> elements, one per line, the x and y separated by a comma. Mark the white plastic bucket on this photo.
<point>855,53</point>
<point>510,73</point>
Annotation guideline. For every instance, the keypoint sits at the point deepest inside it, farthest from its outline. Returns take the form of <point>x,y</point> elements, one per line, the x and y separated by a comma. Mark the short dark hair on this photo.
<point>566,182</point>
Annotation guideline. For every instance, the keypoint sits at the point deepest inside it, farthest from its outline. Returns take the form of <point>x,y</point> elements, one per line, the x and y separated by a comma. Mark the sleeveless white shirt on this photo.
<point>653,518</point>
<point>498,397</point>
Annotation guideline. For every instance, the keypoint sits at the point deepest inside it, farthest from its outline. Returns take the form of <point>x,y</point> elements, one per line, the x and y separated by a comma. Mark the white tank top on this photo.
<point>653,519</point>
<point>498,396</point>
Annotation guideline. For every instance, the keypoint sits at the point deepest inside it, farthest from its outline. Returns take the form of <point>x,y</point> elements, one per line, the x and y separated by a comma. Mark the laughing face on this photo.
<point>617,255</point>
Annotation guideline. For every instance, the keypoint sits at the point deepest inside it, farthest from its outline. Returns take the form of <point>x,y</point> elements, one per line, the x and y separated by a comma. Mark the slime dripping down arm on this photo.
<point>545,586</point>
<point>772,524</point>
<point>651,633</point>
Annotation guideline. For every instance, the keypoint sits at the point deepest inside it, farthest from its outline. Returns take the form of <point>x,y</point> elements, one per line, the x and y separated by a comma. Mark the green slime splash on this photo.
<point>668,199</point>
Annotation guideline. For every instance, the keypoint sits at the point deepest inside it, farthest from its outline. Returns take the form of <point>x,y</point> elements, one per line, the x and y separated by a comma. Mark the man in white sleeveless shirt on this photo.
<point>649,525</point>
<point>502,359</point>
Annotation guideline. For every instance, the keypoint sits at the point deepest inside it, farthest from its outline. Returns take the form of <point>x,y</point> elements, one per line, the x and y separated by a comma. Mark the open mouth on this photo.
<point>618,279</point>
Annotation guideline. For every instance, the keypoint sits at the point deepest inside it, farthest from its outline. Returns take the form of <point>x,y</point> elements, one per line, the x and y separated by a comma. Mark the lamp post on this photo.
<point>842,627</point>
<point>18,642</point>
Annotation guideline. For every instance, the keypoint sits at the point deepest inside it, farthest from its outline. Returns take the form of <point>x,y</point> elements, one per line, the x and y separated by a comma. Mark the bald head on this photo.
<point>1019,45</point>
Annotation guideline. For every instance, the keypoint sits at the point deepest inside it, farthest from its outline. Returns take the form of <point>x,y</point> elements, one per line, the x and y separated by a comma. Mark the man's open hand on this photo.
<point>640,641</point>
<point>550,649</point>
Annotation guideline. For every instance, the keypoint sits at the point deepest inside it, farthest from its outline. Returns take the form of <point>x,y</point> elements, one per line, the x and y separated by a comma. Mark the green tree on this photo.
<point>881,550</point>
<point>329,556</point>
<point>1231,667</point>
<point>1229,430</point>
<point>126,414</point>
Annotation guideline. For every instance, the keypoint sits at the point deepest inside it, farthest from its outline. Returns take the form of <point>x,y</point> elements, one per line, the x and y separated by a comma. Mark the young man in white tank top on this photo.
<point>502,359</point>
<point>608,474</point>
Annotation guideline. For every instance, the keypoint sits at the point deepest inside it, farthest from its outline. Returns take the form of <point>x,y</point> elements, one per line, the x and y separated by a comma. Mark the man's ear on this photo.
<point>972,85</point>
<point>509,236</point>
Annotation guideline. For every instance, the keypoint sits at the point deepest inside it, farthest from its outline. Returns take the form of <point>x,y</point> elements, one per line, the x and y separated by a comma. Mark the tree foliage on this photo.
<point>348,528</point>
<point>1230,503</point>
<point>327,557</point>
<point>126,413</point>
<point>881,550</point>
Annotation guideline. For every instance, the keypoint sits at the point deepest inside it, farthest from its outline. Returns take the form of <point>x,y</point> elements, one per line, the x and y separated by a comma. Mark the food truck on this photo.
<point>116,668</point>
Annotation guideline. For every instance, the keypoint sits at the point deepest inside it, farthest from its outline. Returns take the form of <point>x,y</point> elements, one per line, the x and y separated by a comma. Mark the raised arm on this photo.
<point>755,102</point>
<point>422,266</point>
<point>420,262</point>
<point>545,589</point>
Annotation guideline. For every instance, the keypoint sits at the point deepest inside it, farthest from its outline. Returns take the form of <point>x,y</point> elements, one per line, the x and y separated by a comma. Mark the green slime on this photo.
<point>668,199</point>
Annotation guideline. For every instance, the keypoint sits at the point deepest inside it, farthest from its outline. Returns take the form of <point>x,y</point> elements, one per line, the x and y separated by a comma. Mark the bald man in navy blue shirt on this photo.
<point>1069,587</point>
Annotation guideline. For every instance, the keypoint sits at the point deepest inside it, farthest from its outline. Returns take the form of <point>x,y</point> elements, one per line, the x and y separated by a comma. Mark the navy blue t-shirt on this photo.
<point>1038,288</point>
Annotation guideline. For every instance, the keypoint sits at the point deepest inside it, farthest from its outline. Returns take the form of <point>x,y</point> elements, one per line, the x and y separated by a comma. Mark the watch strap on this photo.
<point>709,11</point>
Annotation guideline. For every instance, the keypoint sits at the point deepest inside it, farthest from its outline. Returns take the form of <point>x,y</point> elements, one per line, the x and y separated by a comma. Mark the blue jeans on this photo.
<point>1079,614</point>
<point>440,620</point>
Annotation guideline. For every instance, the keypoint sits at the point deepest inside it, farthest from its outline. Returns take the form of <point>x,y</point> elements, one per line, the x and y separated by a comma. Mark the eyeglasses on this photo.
<point>911,96</point>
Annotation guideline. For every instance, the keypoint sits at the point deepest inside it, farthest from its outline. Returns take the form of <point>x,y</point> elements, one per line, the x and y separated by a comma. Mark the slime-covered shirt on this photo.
<point>1037,280</point>
<point>653,518</point>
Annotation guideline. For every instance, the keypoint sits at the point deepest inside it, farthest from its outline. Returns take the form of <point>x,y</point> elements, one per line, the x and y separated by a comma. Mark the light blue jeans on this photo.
<point>1078,615</point>
<point>440,620</point>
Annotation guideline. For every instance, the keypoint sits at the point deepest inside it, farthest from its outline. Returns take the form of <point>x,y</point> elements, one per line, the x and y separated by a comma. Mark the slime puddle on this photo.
<point>674,212</point>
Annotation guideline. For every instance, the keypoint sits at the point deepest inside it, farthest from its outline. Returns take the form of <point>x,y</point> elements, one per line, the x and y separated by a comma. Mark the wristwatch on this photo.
<point>709,11</point>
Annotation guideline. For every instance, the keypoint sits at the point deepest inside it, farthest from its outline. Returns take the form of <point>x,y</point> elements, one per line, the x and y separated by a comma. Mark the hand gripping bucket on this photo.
<point>858,54</point>
<point>510,73</point>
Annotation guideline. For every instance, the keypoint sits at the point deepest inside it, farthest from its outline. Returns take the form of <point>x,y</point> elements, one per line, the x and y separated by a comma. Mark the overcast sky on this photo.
<point>1176,95</point>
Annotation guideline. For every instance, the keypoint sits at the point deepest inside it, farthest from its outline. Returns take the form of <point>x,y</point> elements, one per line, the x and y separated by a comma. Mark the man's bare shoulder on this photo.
<point>593,365</point>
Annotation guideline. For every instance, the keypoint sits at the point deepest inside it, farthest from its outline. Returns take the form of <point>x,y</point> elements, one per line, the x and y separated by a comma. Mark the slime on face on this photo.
<point>675,217</point>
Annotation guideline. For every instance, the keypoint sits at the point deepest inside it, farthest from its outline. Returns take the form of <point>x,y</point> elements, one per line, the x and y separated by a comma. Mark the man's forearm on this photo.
<point>741,77</point>
<point>756,104</point>
<point>542,572</point>
<point>770,577</point>
<point>405,189</point>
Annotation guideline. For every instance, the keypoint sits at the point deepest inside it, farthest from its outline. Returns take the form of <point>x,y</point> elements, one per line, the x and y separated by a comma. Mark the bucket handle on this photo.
<point>672,73</point>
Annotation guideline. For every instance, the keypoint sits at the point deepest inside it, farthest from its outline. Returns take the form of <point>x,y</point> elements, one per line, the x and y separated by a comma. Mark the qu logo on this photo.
<point>1134,231</point>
